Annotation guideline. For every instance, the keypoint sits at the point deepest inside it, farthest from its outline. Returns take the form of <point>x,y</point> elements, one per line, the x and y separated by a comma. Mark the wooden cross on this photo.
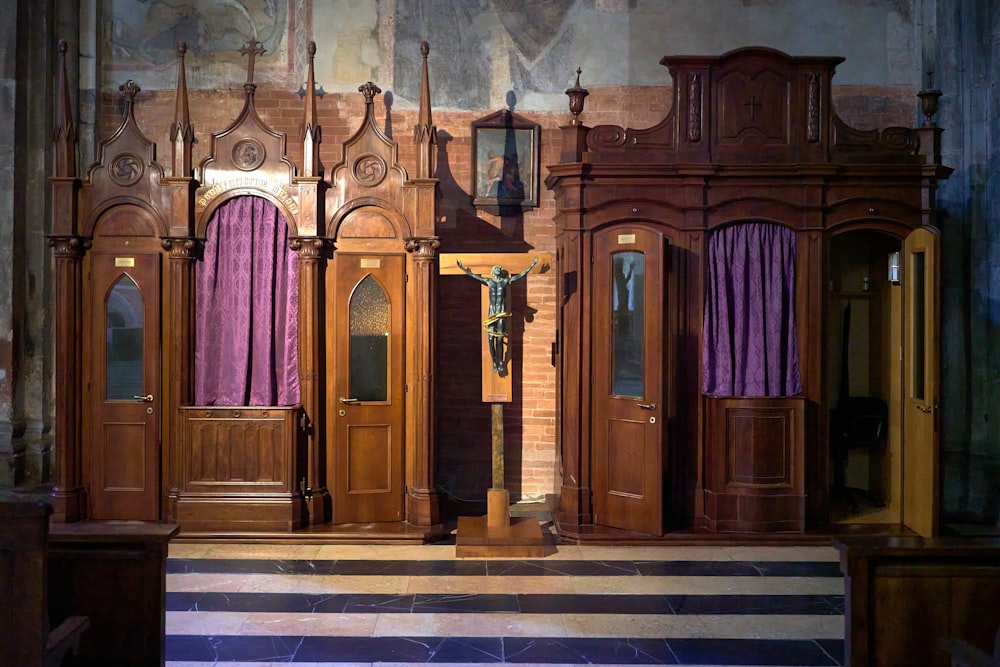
<point>253,48</point>
<point>753,104</point>
<point>496,387</point>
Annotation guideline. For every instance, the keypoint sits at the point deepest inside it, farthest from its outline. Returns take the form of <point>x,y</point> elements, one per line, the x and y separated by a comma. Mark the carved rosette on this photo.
<point>179,247</point>
<point>424,247</point>
<point>694,108</point>
<point>126,169</point>
<point>309,247</point>
<point>369,170</point>
<point>248,154</point>
<point>812,110</point>
<point>70,247</point>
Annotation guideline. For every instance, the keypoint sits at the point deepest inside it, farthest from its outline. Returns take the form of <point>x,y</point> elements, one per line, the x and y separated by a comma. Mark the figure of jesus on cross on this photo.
<point>496,320</point>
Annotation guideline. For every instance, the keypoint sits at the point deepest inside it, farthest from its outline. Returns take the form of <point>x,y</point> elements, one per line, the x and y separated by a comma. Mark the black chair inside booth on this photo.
<point>858,422</point>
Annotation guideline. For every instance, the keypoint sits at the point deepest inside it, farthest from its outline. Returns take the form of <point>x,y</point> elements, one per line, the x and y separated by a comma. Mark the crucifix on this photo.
<point>753,104</point>
<point>253,49</point>
<point>496,271</point>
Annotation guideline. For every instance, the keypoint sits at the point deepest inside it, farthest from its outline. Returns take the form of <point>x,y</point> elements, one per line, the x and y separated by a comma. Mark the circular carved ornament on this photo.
<point>369,170</point>
<point>248,154</point>
<point>126,169</point>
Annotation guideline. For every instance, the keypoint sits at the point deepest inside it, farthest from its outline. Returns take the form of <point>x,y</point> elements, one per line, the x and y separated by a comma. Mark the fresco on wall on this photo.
<point>144,33</point>
<point>484,48</point>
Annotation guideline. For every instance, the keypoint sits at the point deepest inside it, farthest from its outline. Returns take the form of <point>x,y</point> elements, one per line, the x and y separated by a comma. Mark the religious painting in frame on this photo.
<point>505,163</point>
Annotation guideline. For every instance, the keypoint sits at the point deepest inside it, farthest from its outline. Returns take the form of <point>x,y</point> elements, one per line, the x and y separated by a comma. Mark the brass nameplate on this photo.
<point>124,261</point>
<point>626,239</point>
<point>369,263</point>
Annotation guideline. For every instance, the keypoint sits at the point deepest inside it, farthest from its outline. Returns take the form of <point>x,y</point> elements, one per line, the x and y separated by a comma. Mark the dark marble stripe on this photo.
<point>421,568</point>
<point>511,650</point>
<point>814,605</point>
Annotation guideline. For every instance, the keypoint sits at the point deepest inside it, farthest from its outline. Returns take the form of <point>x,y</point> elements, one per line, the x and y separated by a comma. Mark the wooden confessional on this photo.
<point>357,447</point>
<point>752,136</point>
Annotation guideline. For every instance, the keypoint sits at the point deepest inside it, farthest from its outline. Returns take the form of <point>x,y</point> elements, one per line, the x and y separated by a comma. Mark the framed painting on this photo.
<point>505,163</point>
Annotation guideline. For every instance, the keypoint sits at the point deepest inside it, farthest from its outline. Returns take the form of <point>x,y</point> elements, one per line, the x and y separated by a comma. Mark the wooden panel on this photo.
<point>625,468</point>
<point>239,468</point>
<point>905,594</point>
<point>123,459</point>
<point>759,446</point>
<point>369,454</point>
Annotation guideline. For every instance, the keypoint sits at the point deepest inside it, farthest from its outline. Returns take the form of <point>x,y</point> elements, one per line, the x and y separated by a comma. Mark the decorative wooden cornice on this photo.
<point>64,134</point>
<point>311,131</point>
<point>181,132</point>
<point>425,133</point>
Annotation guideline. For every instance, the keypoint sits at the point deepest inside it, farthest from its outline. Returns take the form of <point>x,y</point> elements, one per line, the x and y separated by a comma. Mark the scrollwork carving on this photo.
<point>423,247</point>
<point>605,136</point>
<point>310,247</point>
<point>68,246</point>
<point>180,247</point>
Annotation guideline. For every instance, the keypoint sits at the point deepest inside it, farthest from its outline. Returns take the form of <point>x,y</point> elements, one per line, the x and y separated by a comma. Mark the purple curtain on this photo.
<point>247,304</point>
<point>749,346</point>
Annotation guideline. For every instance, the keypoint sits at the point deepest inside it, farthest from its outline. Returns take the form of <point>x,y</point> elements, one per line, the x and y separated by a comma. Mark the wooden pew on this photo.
<point>904,594</point>
<point>25,639</point>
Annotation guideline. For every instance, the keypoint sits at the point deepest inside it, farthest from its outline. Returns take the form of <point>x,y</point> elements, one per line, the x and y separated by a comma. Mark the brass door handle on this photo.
<point>348,401</point>
<point>148,398</point>
<point>647,406</point>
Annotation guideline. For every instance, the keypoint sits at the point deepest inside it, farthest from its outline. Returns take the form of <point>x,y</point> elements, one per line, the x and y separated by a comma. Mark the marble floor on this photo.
<point>232,604</point>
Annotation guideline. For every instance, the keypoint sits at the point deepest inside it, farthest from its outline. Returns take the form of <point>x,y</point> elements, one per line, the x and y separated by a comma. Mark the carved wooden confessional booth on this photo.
<point>662,250</point>
<point>246,345</point>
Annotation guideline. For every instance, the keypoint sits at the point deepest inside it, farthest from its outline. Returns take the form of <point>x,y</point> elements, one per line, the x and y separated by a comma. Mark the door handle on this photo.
<point>348,401</point>
<point>148,398</point>
<point>647,406</point>
<point>926,410</point>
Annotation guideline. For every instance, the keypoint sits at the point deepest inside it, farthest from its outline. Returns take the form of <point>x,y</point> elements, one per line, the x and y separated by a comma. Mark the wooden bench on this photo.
<point>904,594</point>
<point>25,638</point>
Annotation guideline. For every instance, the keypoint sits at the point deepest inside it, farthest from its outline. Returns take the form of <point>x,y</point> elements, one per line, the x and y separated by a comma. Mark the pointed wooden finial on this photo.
<point>311,134</point>
<point>181,132</point>
<point>425,133</point>
<point>64,134</point>
<point>253,48</point>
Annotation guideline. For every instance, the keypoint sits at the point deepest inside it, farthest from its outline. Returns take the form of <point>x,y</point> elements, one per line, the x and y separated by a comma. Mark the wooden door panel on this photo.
<point>124,340</point>
<point>366,403</point>
<point>628,356</point>
<point>920,382</point>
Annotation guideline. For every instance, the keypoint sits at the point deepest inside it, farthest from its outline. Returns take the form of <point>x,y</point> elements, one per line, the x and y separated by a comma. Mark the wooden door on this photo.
<point>366,401</point>
<point>629,351</point>
<point>920,382</point>
<point>123,357</point>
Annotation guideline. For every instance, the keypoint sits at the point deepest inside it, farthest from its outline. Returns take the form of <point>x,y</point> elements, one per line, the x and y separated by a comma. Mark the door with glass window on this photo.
<point>921,488</point>
<point>366,397</point>
<point>123,353</point>
<point>628,378</point>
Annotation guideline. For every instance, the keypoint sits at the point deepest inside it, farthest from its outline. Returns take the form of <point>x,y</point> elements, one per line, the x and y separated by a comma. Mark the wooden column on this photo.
<point>422,502</point>
<point>178,360</point>
<point>68,495</point>
<point>311,257</point>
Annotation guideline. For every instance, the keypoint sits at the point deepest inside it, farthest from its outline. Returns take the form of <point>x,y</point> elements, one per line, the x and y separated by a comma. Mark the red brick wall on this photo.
<point>463,421</point>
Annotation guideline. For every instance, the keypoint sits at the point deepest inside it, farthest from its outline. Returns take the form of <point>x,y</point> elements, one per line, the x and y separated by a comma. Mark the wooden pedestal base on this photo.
<point>497,534</point>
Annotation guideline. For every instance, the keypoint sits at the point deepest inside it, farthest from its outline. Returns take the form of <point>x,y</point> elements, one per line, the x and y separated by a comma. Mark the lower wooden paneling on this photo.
<point>754,465</point>
<point>239,468</point>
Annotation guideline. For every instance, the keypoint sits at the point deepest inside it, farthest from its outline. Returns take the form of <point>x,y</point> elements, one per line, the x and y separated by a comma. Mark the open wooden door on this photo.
<point>124,353</point>
<point>920,382</point>
<point>628,378</point>
<point>366,401</point>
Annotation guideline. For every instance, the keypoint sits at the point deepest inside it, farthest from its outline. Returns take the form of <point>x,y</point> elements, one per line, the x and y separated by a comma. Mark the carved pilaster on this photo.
<point>812,109</point>
<point>694,108</point>
<point>68,495</point>
<point>178,359</point>
<point>422,503</point>
<point>312,253</point>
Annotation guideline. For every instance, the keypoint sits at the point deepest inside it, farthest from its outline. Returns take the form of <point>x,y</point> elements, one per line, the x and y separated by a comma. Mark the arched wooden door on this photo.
<point>123,402</point>
<point>365,380</point>
<point>629,378</point>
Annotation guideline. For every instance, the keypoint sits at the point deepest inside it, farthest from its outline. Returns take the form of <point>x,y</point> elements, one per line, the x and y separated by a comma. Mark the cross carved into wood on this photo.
<point>753,104</point>
<point>253,48</point>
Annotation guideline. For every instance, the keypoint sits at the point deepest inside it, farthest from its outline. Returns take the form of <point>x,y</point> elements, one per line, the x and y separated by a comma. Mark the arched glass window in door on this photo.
<point>123,314</point>
<point>369,325</point>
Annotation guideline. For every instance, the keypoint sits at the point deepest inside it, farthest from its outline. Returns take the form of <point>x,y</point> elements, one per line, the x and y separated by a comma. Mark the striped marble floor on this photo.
<point>230,604</point>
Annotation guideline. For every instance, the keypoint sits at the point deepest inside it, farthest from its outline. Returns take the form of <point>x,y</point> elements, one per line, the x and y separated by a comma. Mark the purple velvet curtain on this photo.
<point>247,304</point>
<point>749,346</point>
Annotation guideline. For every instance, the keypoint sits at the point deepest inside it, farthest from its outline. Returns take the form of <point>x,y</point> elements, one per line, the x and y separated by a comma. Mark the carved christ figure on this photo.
<point>496,318</point>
